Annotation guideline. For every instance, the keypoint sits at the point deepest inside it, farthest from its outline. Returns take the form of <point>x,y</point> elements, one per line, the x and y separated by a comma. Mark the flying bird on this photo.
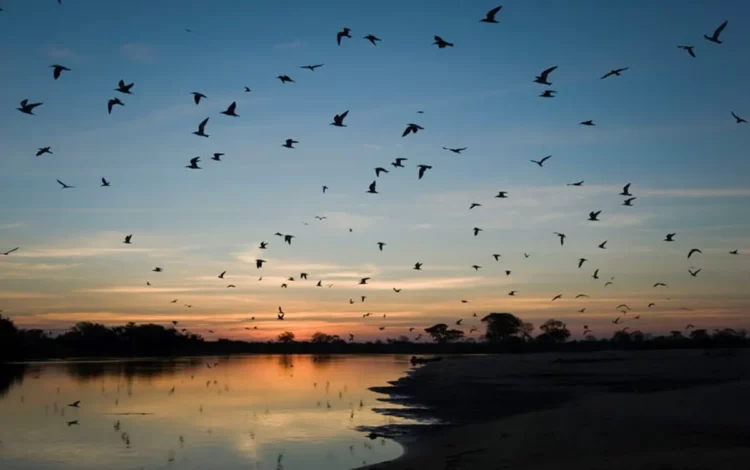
<point>558,296</point>
<point>734,252</point>
<point>562,237</point>
<point>670,237</point>
<point>373,39</point>
<point>476,267</point>
<point>105,183</point>
<point>202,129</point>
<point>490,16</point>
<point>112,103</point>
<point>660,284</point>
<point>694,250</point>
<point>587,123</point>
<point>325,188</point>
<point>230,111</point>
<point>281,313</point>
<point>157,270</point>
<point>263,245</point>
<point>457,151</point>
<point>44,150</point>
<point>507,272</point>
<point>581,295</point>
<point>311,67</point>
<point>338,120</point>
<point>127,239</point>
<point>380,170</point>
<point>629,201</point>
<point>502,195</point>
<point>476,231</point>
<point>418,266</point>
<point>541,162</point>
<point>615,72</point>
<point>690,50</point>
<point>285,78</point>
<point>288,239</point>
<point>221,276</point>
<point>616,321</point>
<point>542,79</point>
<point>441,43</point>
<point>231,286</point>
<point>593,216</point>
<point>344,33</point>
<point>248,90</point>
<point>496,256</point>
<point>622,306</point>
<point>64,186</point>
<point>372,189</point>
<point>75,404</point>
<point>399,162</point>
<point>412,129</point>
<point>626,190</point>
<point>715,37</point>
<point>364,280</point>
<point>381,245</point>
<point>289,143</point>
<point>217,157</point>
<point>608,283</point>
<point>694,273</point>
<point>423,169</point>
<point>581,261</point>
<point>197,97</point>
<point>124,88</point>
<point>603,245</point>
<point>58,70</point>
<point>10,251</point>
<point>596,274</point>
<point>474,204</point>
<point>577,183</point>
<point>738,119</point>
<point>28,108</point>
<point>259,263</point>
<point>513,292</point>
<point>548,94</point>
<point>194,163</point>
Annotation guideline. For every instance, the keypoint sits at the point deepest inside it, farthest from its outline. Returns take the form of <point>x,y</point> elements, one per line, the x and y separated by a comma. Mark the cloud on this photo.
<point>138,52</point>
<point>58,52</point>
<point>77,252</point>
<point>296,44</point>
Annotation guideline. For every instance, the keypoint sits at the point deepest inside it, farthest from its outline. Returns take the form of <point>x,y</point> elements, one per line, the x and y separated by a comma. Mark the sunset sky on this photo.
<point>664,126</point>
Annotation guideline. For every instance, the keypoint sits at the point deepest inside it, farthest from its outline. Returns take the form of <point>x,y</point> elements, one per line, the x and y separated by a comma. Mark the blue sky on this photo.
<point>664,125</point>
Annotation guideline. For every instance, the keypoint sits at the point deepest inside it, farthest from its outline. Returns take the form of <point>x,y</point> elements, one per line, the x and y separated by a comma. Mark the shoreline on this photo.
<point>631,410</point>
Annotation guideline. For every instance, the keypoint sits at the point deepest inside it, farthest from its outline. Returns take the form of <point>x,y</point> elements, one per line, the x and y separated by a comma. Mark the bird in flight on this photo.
<point>581,295</point>
<point>372,189</point>
<point>622,306</point>
<point>124,88</point>
<point>626,190</point>
<point>615,72</point>
<point>417,266</point>
<point>157,270</point>
<point>344,33</point>
<point>263,245</point>
<point>558,296</point>
<point>490,16</point>
<point>285,78</point>
<point>338,120</point>
<point>399,162</point>
<point>321,217</point>
<point>28,108</point>
<point>441,43</point>
<point>230,111</point>
<point>248,90</point>
<point>690,50</point>
<point>380,170</point>
<point>289,143</point>
<point>288,239</point>
<point>10,251</point>
<point>105,183</point>
<point>738,119</point>
<point>581,261</point>
<point>58,70</point>
<point>548,94</point>
<point>303,275</point>
<point>474,204</point>
<point>373,39</point>
<point>693,251</point>
<point>112,103</point>
<point>543,78</point>
<point>259,263</point>
<point>587,123</point>
<point>221,276</point>
<point>502,195</point>
<point>562,237</point>
<point>476,231</point>
<point>281,313</point>
<point>64,186</point>
<point>541,162</point>
<point>670,237</point>
<point>577,183</point>
<point>311,67</point>
<point>197,97</point>
<point>325,188</point>
<point>715,37</point>
<point>363,281</point>
<point>127,239</point>
<point>44,150</point>
<point>412,129</point>
<point>457,151</point>
<point>734,252</point>
<point>629,201</point>
<point>596,274</point>
<point>651,305</point>
<point>217,157</point>
<point>381,245</point>
<point>201,132</point>
<point>423,169</point>
<point>603,245</point>
<point>694,273</point>
<point>512,293</point>
<point>476,267</point>
<point>608,283</point>
<point>660,284</point>
<point>496,256</point>
<point>194,163</point>
<point>594,216</point>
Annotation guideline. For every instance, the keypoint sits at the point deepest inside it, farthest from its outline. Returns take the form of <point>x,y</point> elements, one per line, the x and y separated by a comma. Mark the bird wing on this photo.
<point>491,14</point>
<point>343,115</point>
<point>545,159</point>
<point>61,183</point>
<point>195,160</point>
<point>202,125</point>
<point>548,71</point>
<point>720,29</point>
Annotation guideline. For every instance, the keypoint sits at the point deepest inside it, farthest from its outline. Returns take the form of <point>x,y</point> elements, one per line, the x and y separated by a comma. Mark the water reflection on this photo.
<point>283,411</point>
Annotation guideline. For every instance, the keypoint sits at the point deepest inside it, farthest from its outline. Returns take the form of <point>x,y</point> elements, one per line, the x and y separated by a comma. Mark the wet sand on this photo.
<point>634,410</point>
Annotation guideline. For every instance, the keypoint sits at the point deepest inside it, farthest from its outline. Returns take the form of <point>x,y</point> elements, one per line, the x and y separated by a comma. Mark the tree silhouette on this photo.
<point>322,338</point>
<point>502,327</point>
<point>554,331</point>
<point>441,334</point>
<point>699,335</point>
<point>286,337</point>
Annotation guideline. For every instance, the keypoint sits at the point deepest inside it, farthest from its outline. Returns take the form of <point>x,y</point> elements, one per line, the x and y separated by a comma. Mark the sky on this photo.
<point>664,125</point>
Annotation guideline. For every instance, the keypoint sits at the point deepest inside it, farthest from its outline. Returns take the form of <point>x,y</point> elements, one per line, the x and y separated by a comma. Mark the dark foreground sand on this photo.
<point>653,410</point>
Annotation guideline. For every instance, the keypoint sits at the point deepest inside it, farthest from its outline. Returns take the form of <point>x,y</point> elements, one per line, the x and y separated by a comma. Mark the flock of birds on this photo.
<point>544,78</point>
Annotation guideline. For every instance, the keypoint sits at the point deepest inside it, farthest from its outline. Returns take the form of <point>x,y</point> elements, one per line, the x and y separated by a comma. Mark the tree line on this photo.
<point>504,332</point>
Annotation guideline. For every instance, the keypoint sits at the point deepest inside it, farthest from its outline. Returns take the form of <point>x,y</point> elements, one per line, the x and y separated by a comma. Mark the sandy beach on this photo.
<point>634,410</point>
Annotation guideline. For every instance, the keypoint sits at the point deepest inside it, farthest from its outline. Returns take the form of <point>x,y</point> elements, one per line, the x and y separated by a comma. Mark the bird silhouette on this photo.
<point>248,90</point>
<point>423,169</point>
<point>75,404</point>
<point>202,128</point>
<point>734,252</point>
<point>587,123</point>
<point>616,321</point>
<point>660,284</point>
<point>457,151</point>
<point>372,187</point>
<point>373,39</point>
<point>285,79</point>
<point>289,143</point>
<point>548,94</point>
<point>543,78</point>
<point>507,272</point>
<point>418,266</point>
<point>693,251</point>
<point>263,245</point>
<point>112,103</point>
<point>221,276</point>
<point>562,238</point>
<point>311,67</point>
<point>288,239</point>
<point>441,43</point>
<point>626,190</point>
<point>608,283</point>
<point>197,97</point>
<point>502,194</point>
<point>496,256</point>
<point>28,108</point>
<point>157,270</point>
<point>127,239</point>
<point>217,157</point>
<point>541,162</point>
<point>581,261</point>
<point>594,216</point>
<point>44,150</point>
<point>690,50</point>
<point>381,245</point>
<point>412,129</point>
<point>231,110</point>
<point>490,16</point>
<point>344,33</point>
<point>6,253</point>
<point>670,237</point>
<point>124,88</point>
<point>259,263</point>
<point>577,183</point>
<point>476,231</point>
<point>398,163</point>
<point>338,120</point>
<point>476,267</point>
<point>474,204</point>
<point>581,296</point>
<point>380,170</point>
<point>615,72</point>
<point>715,37</point>
<point>694,273</point>
<point>64,186</point>
<point>364,280</point>
<point>58,70</point>
<point>603,245</point>
<point>280,314</point>
<point>738,119</point>
<point>105,183</point>
<point>194,163</point>
<point>558,296</point>
<point>629,201</point>
<point>596,274</point>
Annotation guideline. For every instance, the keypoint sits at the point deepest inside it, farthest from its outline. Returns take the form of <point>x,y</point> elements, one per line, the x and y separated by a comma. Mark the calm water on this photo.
<point>254,412</point>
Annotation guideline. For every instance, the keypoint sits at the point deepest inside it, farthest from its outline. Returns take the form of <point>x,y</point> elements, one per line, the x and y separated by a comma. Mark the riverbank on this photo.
<point>650,410</point>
